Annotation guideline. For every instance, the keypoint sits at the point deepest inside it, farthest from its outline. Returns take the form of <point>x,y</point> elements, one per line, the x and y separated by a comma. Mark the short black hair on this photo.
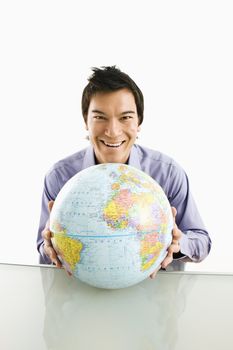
<point>107,79</point>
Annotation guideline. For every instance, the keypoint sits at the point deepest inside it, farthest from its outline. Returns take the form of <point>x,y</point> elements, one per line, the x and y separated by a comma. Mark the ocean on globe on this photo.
<point>111,225</point>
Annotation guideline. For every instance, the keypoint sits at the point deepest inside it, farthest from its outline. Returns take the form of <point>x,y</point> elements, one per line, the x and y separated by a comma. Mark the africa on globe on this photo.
<point>111,225</point>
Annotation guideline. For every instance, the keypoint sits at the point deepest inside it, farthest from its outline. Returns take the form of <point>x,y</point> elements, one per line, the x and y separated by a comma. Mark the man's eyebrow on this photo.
<point>97,111</point>
<point>127,112</point>
<point>100,112</point>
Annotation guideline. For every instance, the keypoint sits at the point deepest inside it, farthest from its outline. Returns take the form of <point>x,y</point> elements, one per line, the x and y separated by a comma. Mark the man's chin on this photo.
<point>112,155</point>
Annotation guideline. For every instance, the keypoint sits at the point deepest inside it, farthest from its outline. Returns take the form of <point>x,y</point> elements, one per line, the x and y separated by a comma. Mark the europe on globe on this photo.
<point>111,225</point>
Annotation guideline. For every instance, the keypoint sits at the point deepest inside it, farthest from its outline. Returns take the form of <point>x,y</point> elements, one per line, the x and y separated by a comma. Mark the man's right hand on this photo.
<point>48,247</point>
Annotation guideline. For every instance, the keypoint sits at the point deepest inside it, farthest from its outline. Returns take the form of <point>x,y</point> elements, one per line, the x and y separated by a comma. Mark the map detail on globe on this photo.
<point>111,225</point>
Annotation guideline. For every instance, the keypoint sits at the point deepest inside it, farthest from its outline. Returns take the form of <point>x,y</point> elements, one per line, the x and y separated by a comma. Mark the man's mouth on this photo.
<point>113,145</point>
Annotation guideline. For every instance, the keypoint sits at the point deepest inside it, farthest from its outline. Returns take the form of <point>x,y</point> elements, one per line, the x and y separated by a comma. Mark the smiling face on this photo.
<point>112,122</point>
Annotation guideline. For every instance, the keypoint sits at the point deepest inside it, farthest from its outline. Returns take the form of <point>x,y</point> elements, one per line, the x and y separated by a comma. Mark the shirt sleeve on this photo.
<point>50,191</point>
<point>195,242</point>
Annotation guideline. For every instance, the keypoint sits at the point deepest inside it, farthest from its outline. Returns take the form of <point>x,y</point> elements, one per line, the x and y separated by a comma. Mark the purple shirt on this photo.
<point>195,242</point>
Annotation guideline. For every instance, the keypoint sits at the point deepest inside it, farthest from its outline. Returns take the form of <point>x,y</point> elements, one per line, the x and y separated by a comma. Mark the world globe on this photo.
<point>111,225</point>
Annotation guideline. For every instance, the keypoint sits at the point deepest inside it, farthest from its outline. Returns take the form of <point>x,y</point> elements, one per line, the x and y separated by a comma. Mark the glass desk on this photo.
<point>43,308</point>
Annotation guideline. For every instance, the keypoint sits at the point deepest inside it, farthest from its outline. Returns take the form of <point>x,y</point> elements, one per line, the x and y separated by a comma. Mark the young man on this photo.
<point>112,107</point>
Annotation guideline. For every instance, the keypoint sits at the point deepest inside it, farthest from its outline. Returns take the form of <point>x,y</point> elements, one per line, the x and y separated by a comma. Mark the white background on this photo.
<point>180,55</point>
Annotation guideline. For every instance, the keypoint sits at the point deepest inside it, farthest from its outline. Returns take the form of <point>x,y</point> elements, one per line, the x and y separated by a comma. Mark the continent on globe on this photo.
<point>111,225</point>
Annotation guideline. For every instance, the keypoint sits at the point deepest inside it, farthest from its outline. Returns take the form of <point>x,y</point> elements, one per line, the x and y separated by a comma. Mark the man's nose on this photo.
<point>113,128</point>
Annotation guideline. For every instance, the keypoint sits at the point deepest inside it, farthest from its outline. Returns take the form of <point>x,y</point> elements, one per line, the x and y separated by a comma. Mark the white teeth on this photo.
<point>113,144</point>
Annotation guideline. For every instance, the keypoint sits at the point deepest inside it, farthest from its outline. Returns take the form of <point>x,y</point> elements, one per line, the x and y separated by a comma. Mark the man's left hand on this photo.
<point>173,248</point>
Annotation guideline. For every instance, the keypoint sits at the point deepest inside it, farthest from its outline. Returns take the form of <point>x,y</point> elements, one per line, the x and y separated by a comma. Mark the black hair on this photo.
<point>107,79</point>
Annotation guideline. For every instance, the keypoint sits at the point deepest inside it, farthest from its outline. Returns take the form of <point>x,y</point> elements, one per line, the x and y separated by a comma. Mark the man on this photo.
<point>112,107</point>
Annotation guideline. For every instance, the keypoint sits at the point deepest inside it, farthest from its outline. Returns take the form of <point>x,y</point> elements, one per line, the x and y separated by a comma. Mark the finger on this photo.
<point>176,235</point>
<point>174,248</point>
<point>152,276</point>
<point>68,272</point>
<point>168,260</point>
<point>57,263</point>
<point>46,234</point>
<point>53,256</point>
<point>169,257</point>
<point>51,253</point>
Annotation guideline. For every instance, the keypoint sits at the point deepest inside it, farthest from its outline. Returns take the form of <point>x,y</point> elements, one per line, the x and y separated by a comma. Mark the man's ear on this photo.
<point>139,128</point>
<point>85,121</point>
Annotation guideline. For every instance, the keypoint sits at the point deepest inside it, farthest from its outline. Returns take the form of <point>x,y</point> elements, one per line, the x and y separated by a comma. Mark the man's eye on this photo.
<point>126,117</point>
<point>98,117</point>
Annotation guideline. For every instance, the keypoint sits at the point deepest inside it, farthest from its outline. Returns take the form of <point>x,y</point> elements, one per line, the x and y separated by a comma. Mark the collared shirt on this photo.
<point>195,242</point>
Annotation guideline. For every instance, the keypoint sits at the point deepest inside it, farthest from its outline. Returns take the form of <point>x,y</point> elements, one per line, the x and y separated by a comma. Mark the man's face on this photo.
<point>112,122</point>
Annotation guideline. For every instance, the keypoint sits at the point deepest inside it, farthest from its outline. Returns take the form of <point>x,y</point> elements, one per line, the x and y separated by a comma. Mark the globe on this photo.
<point>111,225</point>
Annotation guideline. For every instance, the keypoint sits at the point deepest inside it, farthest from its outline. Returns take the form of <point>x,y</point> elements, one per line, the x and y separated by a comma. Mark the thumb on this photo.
<point>50,205</point>
<point>174,212</point>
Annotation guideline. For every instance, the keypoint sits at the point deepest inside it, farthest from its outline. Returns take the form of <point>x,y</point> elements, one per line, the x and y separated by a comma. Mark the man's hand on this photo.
<point>48,247</point>
<point>173,248</point>
<point>175,245</point>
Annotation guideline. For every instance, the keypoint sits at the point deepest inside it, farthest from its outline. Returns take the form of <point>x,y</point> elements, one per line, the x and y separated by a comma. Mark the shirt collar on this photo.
<point>89,158</point>
<point>134,158</point>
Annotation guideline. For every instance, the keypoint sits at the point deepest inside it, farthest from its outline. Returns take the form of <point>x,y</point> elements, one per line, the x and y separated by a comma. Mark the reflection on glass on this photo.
<point>143,317</point>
